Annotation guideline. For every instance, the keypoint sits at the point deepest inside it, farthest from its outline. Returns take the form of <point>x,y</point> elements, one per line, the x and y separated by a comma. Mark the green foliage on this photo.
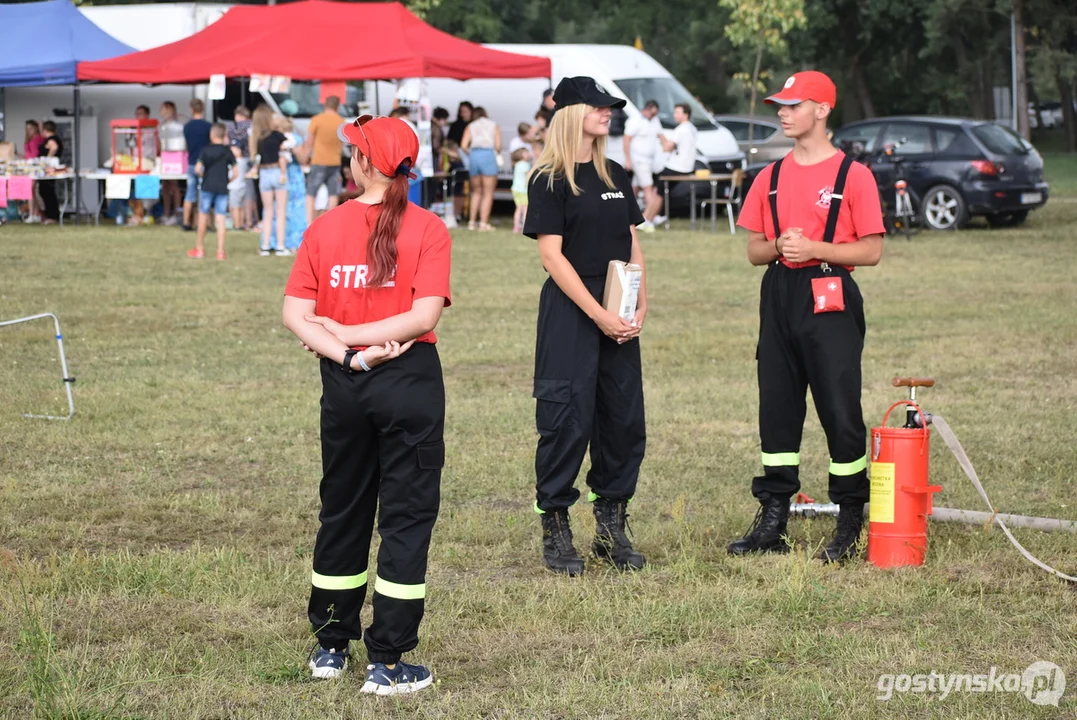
<point>763,22</point>
<point>763,26</point>
<point>887,57</point>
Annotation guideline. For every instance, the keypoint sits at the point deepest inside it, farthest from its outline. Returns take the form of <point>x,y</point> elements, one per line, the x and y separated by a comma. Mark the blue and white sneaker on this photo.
<point>327,664</point>
<point>404,678</point>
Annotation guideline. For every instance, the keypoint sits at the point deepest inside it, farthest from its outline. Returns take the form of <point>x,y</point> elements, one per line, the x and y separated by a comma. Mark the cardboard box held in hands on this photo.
<point>622,289</point>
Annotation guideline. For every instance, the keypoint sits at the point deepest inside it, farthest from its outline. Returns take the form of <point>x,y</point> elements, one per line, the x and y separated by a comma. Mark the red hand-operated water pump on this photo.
<point>900,493</point>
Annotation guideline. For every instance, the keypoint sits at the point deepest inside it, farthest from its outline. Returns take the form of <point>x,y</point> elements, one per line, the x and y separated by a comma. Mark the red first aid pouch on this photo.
<point>828,294</point>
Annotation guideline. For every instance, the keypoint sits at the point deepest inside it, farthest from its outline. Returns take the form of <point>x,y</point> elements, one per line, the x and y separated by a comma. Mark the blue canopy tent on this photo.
<point>41,43</point>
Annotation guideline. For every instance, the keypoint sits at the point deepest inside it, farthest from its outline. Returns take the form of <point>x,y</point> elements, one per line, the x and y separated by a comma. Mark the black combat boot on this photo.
<point>767,533</point>
<point>557,550</point>
<point>611,544</point>
<point>843,546</point>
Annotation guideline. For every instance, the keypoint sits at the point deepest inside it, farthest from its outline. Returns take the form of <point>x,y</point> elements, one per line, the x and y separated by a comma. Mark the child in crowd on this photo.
<point>521,168</point>
<point>272,179</point>
<point>237,188</point>
<point>522,139</point>
<point>454,164</point>
<point>351,190</point>
<point>291,140</point>
<point>217,168</point>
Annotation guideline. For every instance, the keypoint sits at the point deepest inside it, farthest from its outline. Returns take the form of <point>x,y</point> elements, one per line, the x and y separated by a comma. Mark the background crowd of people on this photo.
<point>470,149</point>
<point>42,141</point>
<point>279,172</point>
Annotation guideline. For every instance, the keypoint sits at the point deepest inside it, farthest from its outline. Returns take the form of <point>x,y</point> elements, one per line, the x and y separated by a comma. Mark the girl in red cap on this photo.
<point>366,291</point>
<point>588,377</point>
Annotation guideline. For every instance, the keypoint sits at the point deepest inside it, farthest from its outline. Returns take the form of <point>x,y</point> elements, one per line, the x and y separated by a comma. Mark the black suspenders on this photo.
<point>835,198</point>
<point>774,197</point>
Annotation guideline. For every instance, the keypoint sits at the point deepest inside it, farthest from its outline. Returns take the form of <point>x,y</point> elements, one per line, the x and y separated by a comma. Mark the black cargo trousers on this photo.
<point>382,452</point>
<point>798,349</point>
<point>588,390</point>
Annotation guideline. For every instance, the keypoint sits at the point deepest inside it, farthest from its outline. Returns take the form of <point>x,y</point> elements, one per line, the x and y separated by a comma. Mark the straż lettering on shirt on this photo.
<point>353,277</point>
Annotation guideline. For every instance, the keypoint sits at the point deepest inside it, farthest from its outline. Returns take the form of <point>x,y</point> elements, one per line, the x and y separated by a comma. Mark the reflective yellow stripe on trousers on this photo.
<point>849,468</point>
<point>781,459</point>
<point>337,582</point>
<point>398,591</point>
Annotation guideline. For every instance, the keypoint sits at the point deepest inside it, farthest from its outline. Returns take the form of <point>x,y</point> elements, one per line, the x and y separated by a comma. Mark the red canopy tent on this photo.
<point>316,40</point>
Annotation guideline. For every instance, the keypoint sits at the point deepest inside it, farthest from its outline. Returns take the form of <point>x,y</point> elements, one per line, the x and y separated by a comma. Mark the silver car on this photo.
<point>768,141</point>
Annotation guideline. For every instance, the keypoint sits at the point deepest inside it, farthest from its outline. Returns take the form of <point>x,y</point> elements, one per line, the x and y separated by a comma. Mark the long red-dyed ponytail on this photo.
<point>381,247</point>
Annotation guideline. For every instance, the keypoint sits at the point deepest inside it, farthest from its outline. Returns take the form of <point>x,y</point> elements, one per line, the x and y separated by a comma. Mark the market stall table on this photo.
<point>693,180</point>
<point>102,176</point>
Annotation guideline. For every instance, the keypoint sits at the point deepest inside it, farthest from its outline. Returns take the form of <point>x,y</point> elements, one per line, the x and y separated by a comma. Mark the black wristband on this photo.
<point>346,366</point>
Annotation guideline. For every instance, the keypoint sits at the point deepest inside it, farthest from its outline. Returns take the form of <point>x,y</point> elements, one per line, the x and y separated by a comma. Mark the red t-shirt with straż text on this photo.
<point>804,201</point>
<point>331,265</point>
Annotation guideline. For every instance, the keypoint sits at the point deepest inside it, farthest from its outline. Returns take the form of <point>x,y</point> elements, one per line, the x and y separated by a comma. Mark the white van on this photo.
<point>622,70</point>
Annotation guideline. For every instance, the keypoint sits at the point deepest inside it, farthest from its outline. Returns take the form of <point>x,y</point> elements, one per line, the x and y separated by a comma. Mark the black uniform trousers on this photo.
<point>588,389</point>
<point>799,349</point>
<point>50,203</point>
<point>382,450</point>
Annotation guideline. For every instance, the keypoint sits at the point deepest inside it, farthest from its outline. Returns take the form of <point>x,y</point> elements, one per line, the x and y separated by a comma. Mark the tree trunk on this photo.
<point>1034,100</point>
<point>755,82</point>
<point>862,90</point>
<point>1069,117</point>
<point>1021,79</point>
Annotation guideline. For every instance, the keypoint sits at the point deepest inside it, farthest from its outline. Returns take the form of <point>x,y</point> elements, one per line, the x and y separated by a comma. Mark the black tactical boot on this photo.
<point>843,546</point>
<point>557,550</point>
<point>767,533</point>
<point>611,544</point>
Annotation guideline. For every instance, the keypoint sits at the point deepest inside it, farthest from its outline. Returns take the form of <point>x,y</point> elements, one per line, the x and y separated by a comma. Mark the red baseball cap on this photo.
<point>390,143</point>
<point>807,85</point>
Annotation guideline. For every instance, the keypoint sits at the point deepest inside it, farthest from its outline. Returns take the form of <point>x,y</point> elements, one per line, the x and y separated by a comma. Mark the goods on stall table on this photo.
<point>37,168</point>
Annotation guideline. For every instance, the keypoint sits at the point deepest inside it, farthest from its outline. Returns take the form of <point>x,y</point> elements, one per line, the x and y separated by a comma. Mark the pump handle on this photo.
<point>914,382</point>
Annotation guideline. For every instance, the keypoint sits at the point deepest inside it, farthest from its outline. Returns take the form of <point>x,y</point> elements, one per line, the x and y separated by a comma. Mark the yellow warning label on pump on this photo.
<point>881,508</point>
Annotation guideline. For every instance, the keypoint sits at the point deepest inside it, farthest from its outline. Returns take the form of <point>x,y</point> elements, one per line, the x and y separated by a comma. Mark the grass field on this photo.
<point>155,551</point>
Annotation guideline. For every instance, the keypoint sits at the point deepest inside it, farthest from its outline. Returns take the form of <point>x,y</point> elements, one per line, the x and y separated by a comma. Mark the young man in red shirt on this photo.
<point>811,217</point>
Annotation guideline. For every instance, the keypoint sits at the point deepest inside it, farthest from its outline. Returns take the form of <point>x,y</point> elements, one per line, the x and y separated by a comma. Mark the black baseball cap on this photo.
<point>582,89</point>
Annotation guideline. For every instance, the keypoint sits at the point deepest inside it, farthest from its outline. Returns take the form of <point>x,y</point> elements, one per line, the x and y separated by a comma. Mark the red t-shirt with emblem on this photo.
<point>804,202</point>
<point>331,265</point>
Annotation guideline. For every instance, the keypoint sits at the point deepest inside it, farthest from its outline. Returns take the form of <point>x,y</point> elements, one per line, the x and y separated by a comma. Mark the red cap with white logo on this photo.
<point>807,85</point>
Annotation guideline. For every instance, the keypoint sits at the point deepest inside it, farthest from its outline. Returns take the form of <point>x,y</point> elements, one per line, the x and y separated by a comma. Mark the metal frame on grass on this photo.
<point>63,365</point>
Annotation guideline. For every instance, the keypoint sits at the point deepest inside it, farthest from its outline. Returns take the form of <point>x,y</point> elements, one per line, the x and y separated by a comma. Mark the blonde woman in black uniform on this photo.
<point>588,381</point>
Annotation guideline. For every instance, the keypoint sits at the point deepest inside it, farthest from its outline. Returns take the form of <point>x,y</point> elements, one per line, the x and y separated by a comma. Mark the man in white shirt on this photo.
<point>641,145</point>
<point>681,143</point>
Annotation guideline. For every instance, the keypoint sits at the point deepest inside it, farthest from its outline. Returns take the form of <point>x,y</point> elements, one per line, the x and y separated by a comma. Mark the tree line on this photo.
<point>939,57</point>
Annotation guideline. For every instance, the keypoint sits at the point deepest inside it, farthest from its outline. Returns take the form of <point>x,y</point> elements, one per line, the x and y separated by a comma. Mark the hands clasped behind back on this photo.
<point>373,356</point>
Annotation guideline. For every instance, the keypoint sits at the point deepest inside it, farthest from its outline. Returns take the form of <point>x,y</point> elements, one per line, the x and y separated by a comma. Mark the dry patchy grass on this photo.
<point>154,551</point>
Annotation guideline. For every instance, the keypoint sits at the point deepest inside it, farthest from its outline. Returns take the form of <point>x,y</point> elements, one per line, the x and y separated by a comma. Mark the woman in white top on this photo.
<point>172,140</point>
<point>482,140</point>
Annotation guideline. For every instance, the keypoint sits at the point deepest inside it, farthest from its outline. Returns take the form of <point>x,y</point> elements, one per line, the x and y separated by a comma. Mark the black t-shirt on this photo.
<point>49,142</point>
<point>595,226</point>
<point>216,159</point>
<point>269,148</point>
<point>456,130</point>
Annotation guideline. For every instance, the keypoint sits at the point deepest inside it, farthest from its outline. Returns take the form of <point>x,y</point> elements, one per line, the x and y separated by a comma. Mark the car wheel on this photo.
<point>1007,219</point>
<point>944,208</point>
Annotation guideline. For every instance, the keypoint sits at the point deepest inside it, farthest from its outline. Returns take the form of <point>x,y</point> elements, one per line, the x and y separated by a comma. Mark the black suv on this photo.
<point>956,168</point>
